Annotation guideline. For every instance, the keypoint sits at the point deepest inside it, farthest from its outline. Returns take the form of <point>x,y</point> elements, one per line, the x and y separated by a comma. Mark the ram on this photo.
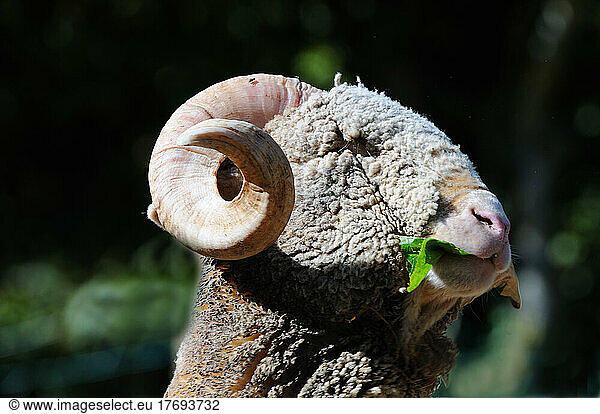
<point>297,199</point>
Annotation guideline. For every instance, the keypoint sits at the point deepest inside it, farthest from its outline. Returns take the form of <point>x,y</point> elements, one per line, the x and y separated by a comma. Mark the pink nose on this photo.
<point>496,223</point>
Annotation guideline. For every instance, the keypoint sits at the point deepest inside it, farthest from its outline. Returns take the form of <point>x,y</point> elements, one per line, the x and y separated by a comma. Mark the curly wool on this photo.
<point>236,347</point>
<point>366,169</point>
<point>401,156</point>
<point>320,313</point>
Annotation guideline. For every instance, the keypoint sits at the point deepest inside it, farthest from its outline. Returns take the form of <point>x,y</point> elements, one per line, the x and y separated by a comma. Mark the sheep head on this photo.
<point>321,185</point>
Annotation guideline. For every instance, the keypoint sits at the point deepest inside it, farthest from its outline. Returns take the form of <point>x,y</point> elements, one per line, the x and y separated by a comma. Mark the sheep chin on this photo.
<point>462,276</point>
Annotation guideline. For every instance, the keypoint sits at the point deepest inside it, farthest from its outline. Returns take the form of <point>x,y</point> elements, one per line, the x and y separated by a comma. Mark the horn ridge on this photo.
<point>223,122</point>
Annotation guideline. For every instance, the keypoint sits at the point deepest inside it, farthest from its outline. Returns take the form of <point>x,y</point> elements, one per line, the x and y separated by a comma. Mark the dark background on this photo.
<point>93,296</point>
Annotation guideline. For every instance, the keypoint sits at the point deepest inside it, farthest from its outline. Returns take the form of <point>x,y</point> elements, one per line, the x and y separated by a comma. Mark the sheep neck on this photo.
<point>238,347</point>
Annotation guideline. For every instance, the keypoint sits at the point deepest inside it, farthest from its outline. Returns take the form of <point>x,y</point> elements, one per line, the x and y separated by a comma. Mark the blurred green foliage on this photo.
<point>85,331</point>
<point>125,304</point>
<point>501,366</point>
<point>317,63</point>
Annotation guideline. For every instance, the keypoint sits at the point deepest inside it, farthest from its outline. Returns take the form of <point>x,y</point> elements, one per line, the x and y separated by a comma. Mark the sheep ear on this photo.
<point>509,286</point>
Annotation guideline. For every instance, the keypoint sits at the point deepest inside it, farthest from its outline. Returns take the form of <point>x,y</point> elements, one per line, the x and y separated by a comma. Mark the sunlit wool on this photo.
<point>322,311</point>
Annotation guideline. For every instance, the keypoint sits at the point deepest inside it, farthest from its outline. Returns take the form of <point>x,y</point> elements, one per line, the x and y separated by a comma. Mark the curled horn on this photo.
<point>224,122</point>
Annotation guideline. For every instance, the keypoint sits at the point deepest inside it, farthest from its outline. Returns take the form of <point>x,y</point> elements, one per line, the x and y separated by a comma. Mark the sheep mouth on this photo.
<point>464,275</point>
<point>496,254</point>
<point>492,258</point>
<point>500,260</point>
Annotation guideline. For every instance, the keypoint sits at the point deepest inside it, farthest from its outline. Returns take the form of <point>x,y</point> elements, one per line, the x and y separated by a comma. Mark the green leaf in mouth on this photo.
<point>421,254</point>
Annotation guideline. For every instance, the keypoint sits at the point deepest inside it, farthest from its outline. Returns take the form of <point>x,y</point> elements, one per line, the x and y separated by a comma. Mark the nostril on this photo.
<point>497,223</point>
<point>483,219</point>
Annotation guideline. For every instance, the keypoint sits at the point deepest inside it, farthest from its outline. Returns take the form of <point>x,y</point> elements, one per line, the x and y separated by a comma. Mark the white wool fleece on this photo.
<point>366,170</point>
